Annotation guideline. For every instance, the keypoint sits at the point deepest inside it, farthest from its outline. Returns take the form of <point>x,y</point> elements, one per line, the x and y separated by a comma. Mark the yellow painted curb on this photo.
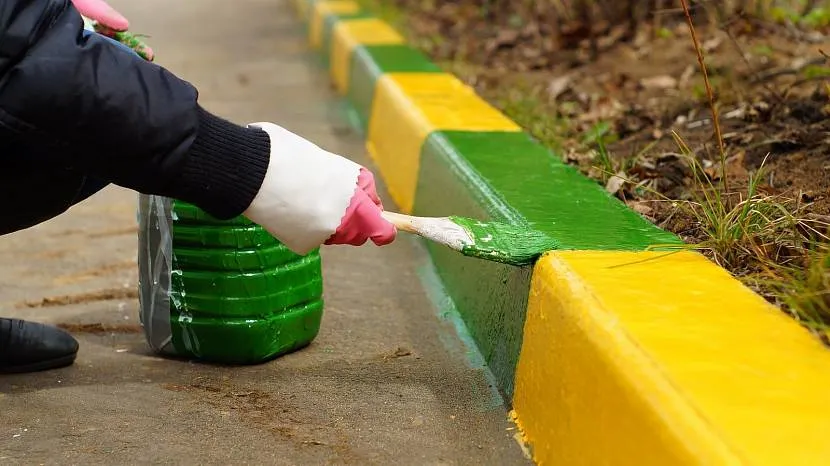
<point>347,35</point>
<point>407,107</point>
<point>301,7</point>
<point>323,8</point>
<point>664,359</point>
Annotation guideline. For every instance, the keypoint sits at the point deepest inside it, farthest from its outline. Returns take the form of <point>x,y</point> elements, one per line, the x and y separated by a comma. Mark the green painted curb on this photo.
<point>504,176</point>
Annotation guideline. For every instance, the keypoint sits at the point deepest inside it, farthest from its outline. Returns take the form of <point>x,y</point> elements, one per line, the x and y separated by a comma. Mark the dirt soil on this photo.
<point>642,88</point>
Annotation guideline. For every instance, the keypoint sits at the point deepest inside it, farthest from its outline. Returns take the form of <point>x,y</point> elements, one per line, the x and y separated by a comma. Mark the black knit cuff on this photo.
<point>225,166</point>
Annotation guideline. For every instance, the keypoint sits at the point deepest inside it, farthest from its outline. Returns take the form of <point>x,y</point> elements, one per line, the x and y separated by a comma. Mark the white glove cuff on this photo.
<point>305,192</point>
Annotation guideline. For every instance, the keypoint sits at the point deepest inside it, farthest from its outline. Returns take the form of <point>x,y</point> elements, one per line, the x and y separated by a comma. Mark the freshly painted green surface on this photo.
<point>521,179</point>
<point>508,177</point>
<point>245,340</point>
<point>370,62</point>
<point>505,243</point>
<point>328,25</point>
<point>490,297</point>
<point>505,177</point>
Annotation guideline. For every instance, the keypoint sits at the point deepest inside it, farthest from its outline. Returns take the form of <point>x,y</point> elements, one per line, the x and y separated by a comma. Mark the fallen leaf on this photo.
<point>313,442</point>
<point>398,353</point>
<point>615,183</point>
<point>558,85</point>
<point>659,82</point>
<point>640,207</point>
<point>734,167</point>
<point>505,38</point>
<point>712,44</point>
<point>604,108</point>
<point>687,74</point>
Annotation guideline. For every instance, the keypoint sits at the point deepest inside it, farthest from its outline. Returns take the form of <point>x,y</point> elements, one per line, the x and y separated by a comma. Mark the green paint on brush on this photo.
<point>493,241</point>
<point>504,243</point>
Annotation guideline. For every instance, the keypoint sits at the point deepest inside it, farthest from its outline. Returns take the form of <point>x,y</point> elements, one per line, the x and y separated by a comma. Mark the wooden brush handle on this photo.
<point>401,221</point>
<point>441,230</point>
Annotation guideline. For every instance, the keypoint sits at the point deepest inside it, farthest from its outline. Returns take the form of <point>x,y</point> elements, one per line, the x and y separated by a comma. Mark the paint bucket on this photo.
<point>222,291</point>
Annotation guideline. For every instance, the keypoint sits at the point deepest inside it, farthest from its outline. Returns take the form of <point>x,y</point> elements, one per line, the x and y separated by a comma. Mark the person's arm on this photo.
<point>107,112</point>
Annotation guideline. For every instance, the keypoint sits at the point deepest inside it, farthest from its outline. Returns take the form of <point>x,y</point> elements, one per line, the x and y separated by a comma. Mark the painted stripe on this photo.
<point>523,181</point>
<point>652,358</point>
<point>491,298</point>
<point>320,10</point>
<point>506,176</point>
<point>349,34</point>
<point>408,107</point>
<point>329,22</point>
<point>636,364</point>
<point>371,62</point>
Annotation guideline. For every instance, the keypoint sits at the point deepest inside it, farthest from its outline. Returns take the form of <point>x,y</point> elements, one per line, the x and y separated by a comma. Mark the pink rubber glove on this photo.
<point>310,196</point>
<point>362,220</point>
<point>100,11</point>
<point>111,23</point>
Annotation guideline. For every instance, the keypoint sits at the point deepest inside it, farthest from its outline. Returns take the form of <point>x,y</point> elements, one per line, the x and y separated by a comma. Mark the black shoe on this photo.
<point>30,347</point>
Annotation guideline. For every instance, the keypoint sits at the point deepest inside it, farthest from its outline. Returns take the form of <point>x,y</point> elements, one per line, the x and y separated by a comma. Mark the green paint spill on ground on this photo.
<point>370,62</point>
<point>526,183</point>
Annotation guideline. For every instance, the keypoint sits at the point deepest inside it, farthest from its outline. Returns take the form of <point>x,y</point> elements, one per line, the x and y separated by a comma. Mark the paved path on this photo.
<point>386,382</point>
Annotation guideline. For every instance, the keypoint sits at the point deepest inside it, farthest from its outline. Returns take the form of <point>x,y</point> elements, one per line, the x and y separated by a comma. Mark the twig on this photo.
<point>710,94</point>
<point>751,68</point>
<point>804,81</point>
<point>778,72</point>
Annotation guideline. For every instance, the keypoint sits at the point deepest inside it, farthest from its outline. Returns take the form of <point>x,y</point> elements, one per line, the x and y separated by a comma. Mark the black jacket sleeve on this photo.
<point>106,112</point>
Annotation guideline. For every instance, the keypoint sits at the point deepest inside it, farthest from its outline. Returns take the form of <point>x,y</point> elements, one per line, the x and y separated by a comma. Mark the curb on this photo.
<point>611,352</point>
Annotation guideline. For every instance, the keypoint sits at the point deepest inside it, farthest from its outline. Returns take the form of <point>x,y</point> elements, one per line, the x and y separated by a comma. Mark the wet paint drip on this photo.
<point>505,243</point>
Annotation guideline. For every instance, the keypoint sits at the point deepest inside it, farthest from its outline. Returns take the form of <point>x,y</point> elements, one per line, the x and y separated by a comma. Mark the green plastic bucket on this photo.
<point>222,291</point>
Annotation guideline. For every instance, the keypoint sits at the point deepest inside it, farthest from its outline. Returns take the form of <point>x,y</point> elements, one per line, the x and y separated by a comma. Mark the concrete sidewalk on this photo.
<point>386,382</point>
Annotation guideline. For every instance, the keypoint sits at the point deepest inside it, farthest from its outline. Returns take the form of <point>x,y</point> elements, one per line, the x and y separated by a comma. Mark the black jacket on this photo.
<point>73,107</point>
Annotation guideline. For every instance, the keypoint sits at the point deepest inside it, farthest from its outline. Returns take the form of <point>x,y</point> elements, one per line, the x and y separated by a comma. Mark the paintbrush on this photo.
<point>498,242</point>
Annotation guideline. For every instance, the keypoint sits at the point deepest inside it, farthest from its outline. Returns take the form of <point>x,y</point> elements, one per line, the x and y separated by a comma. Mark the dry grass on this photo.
<point>762,232</point>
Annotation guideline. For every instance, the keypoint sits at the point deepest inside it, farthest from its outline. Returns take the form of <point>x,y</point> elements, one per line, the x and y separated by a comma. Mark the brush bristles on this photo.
<point>443,231</point>
<point>508,244</point>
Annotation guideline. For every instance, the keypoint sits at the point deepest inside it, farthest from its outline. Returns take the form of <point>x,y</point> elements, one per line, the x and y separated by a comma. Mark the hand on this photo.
<point>100,11</point>
<point>362,220</point>
<point>311,197</point>
<point>112,24</point>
